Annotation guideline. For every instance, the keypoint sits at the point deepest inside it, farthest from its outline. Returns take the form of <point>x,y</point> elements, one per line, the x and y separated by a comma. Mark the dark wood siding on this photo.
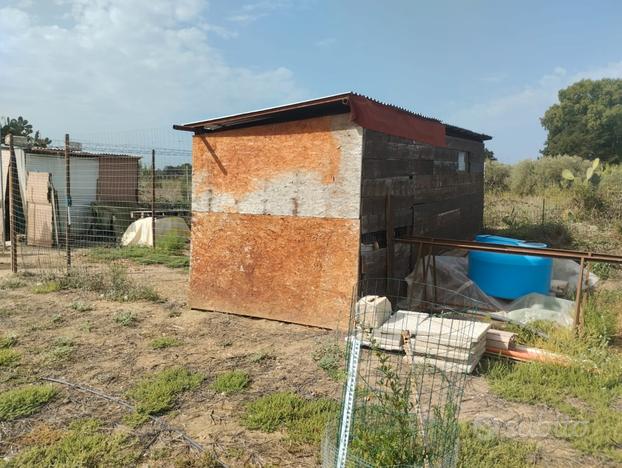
<point>118,179</point>
<point>429,195</point>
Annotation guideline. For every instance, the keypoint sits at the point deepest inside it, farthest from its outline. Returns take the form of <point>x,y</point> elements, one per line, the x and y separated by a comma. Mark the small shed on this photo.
<point>291,205</point>
<point>96,179</point>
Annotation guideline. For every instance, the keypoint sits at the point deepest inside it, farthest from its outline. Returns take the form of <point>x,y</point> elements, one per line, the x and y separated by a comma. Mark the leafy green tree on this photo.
<point>21,127</point>
<point>587,121</point>
<point>489,155</point>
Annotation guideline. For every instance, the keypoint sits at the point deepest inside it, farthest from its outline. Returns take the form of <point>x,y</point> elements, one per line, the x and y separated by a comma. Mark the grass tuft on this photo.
<point>80,306</point>
<point>84,444</point>
<point>9,357</point>
<point>200,460</point>
<point>231,382</point>
<point>8,341</point>
<point>261,357</point>
<point>165,342</point>
<point>135,419</point>
<point>126,319</point>
<point>330,358</point>
<point>46,287</point>
<point>482,448</point>
<point>24,401</point>
<point>303,419</point>
<point>158,392</point>
<point>61,350</point>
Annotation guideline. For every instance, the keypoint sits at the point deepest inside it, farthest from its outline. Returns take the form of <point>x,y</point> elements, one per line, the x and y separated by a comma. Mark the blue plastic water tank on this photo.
<point>510,276</point>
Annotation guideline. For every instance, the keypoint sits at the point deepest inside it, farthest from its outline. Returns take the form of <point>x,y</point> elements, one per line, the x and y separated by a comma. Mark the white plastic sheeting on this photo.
<point>139,232</point>
<point>567,271</point>
<point>536,306</point>
<point>455,288</point>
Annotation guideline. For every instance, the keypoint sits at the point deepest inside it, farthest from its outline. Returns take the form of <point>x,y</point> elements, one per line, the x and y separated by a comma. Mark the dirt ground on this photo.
<point>111,357</point>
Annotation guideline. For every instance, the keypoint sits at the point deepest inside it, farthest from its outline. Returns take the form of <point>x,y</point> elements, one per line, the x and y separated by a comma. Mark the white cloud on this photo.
<point>113,64</point>
<point>513,119</point>
<point>253,11</point>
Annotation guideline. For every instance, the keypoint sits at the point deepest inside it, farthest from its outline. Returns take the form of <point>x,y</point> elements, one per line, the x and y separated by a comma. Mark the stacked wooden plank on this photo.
<point>446,343</point>
<point>500,339</point>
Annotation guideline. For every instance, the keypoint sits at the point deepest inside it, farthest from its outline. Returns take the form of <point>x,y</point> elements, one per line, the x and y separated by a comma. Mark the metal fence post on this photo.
<point>543,208</point>
<point>68,199</point>
<point>12,234</point>
<point>153,188</point>
<point>3,192</point>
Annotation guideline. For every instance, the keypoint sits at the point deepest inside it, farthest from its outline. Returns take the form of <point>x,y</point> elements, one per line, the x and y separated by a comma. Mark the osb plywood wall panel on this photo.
<point>287,268</point>
<point>118,179</point>
<point>276,220</point>
<point>308,167</point>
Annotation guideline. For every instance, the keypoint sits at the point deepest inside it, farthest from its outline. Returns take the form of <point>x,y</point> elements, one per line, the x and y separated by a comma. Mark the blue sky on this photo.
<point>118,66</point>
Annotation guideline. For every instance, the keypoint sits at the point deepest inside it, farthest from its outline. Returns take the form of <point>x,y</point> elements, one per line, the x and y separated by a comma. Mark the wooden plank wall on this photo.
<point>429,196</point>
<point>118,179</point>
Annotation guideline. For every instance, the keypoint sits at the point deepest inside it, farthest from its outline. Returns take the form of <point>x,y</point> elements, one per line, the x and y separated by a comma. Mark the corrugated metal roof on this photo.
<point>334,104</point>
<point>84,154</point>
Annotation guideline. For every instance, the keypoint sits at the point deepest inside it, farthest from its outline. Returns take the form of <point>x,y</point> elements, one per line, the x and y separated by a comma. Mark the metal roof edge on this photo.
<point>248,117</point>
<point>282,107</point>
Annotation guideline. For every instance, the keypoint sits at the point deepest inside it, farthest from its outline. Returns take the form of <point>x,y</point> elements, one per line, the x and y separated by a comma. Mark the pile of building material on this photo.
<point>447,343</point>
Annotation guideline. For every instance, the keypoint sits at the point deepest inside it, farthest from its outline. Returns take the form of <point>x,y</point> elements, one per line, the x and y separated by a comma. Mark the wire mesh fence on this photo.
<point>502,210</point>
<point>89,199</point>
<point>408,357</point>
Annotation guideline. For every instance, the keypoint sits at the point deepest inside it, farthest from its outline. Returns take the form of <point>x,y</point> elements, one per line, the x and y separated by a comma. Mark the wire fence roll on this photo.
<point>402,397</point>
<point>74,198</point>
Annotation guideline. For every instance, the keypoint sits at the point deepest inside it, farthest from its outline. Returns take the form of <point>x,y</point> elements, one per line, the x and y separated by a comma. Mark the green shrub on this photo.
<point>84,444</point>
<point>231,382</point>
<point>172,242</point>
<point>554,233</point>
<point>531,177</point>
<point>385,430</point>
<point>496,176</point>
<point>523,179</point>
<point>158,392</point>
<point>24,401</point>
<point>611,181</point>
<point>586,200</point>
